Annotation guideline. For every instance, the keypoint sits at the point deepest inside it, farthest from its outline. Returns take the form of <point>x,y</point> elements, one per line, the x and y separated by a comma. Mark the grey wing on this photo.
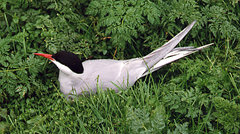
<point>155,56</point>
<point>103,73</point>
<point>174,55</point>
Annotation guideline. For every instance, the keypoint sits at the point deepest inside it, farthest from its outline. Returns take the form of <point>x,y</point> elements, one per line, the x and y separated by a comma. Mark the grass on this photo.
<point>197,94</point>
<point>180,98</point>
<point>104,112</point>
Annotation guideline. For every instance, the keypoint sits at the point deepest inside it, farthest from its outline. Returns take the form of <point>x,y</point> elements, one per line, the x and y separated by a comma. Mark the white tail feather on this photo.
<point>174,55</point>
<point>157,55</point>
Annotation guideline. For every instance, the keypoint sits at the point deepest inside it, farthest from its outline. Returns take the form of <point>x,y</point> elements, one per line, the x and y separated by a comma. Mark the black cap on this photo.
<point>70,60</point>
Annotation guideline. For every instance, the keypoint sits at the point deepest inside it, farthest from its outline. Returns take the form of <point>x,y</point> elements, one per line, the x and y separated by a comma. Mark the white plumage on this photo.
<point>115,74</point>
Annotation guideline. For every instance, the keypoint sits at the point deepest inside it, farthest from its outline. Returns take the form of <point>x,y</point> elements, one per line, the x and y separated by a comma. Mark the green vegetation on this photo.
<point>197,94</point>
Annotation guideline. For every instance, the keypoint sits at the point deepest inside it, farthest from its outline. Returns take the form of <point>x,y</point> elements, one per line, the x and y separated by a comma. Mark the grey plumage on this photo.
<point>115,74</point>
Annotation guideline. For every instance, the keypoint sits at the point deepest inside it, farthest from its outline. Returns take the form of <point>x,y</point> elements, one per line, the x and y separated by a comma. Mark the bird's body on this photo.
<point>116,73</point>
<point>76,76</point>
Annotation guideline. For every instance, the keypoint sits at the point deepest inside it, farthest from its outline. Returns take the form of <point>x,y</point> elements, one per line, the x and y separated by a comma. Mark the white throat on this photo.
<point>64,69</point>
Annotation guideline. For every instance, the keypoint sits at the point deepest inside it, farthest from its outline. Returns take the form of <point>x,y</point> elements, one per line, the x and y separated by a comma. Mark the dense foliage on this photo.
<point>195,95</point>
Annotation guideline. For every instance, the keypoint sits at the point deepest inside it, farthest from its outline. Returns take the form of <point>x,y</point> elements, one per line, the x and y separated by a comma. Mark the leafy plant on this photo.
<point>198,94</point>
<point>227,114</point>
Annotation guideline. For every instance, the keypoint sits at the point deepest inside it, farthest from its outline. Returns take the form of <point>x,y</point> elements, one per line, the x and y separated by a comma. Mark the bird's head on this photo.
<point>66,62</point>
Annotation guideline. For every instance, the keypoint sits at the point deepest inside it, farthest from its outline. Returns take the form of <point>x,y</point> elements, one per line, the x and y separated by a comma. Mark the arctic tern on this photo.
<point>77,76</point>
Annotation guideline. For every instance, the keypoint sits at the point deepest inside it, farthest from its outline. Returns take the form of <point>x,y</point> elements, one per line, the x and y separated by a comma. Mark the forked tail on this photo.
<point>155,56</point>
<point>175,54</point>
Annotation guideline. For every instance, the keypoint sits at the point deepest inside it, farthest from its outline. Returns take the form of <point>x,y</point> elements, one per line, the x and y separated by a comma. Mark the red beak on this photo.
<point>49,56</point>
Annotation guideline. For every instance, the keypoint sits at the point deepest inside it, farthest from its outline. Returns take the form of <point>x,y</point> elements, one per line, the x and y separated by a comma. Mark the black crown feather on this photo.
<point>70,60</point>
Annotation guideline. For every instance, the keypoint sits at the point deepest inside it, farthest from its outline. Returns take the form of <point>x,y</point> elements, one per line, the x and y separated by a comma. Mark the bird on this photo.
<point>77,76</point>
